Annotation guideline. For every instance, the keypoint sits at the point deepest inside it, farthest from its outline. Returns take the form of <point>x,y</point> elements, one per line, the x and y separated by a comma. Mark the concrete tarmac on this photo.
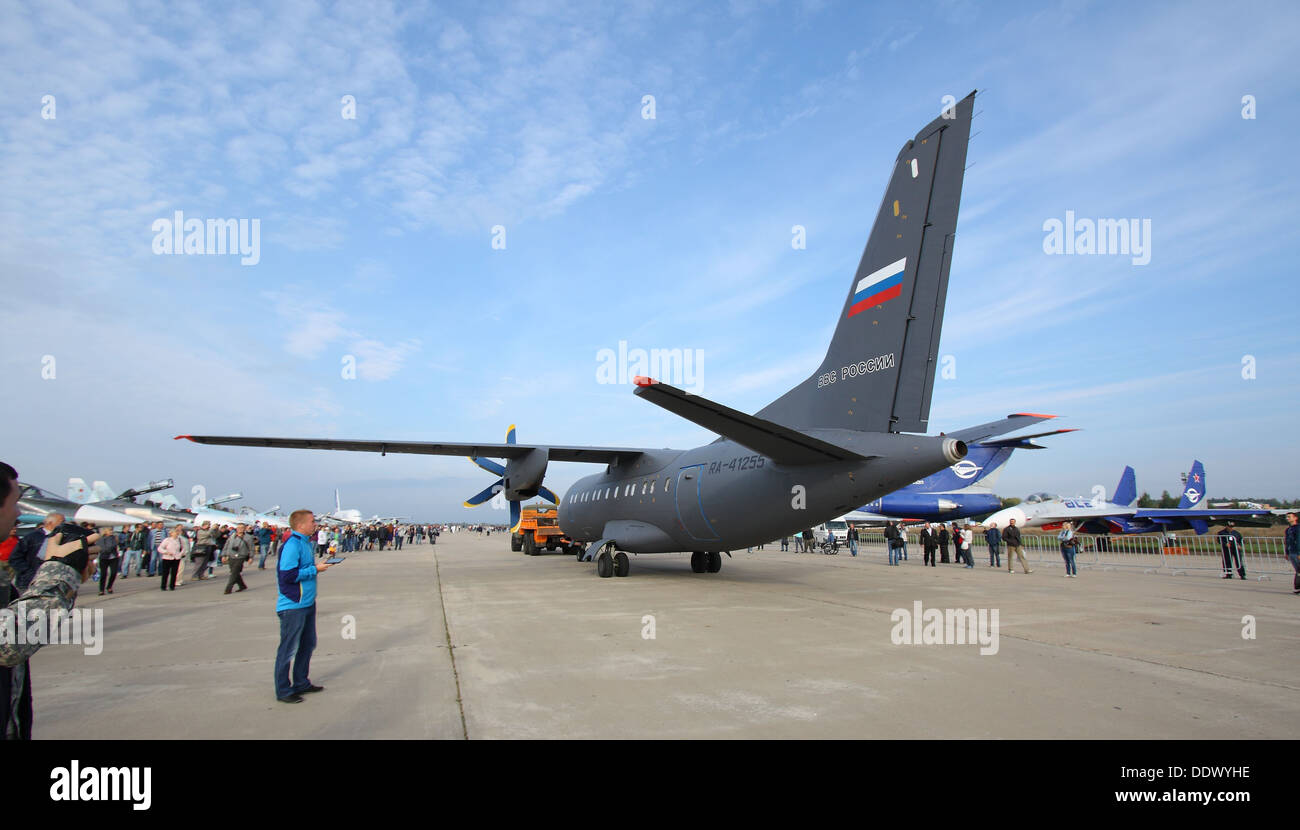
<point>467,639</point>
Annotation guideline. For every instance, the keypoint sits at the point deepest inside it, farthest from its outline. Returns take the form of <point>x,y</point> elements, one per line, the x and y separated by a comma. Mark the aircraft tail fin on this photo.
<point>78,491</point>
<point>878,374</point>
<point>1194,489</point>
<point>993,467</point>
<point>338,505</point>
<point>1126,492</point>
<point>100,491</point>
<point>167,502</point>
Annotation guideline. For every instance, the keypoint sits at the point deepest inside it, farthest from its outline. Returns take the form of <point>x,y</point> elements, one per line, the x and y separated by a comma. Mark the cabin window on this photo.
<point>667,484</point>
<point>606,492</point>
<point>652,488</point>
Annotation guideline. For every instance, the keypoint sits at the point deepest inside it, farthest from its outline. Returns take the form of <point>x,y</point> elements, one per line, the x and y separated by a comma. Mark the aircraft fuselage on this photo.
<point>723,496</point>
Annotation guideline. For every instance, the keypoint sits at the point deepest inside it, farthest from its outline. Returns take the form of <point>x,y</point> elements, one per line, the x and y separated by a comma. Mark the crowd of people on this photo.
<point>937,539</point>
<point>169,553</point>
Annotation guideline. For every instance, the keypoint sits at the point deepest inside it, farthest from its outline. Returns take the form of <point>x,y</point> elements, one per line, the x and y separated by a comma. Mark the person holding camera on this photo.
<point>65,563</point>
<point>1069,549</point>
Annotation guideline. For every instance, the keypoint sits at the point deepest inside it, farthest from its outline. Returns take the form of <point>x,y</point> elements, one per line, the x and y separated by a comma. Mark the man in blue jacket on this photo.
<point>994,537</point>
<point>296,608</point>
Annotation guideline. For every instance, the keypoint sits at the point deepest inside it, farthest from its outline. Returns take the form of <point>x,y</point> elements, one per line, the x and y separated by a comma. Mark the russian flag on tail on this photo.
<point>879,287</point>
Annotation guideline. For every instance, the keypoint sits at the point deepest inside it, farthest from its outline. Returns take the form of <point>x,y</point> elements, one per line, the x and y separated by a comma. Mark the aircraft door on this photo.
<point>690,505</point>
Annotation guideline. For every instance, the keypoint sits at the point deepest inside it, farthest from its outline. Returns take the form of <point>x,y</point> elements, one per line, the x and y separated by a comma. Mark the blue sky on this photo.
<point>672,232</point>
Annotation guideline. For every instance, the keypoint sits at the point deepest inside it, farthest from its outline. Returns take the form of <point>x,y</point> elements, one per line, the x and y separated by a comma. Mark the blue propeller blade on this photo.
<point>515,516</point>
<point>489,465</point>
<point>548,494</point>
<point>485,494</point>
<point>510,434</point>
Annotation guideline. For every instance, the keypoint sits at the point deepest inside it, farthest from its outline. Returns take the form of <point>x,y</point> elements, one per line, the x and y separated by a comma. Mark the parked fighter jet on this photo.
<point>1046,511</point>
<point>250,516</point>
<point>838,439</point>
<point>34,504</point>
<point>79,492</point>
<point>101,495</point>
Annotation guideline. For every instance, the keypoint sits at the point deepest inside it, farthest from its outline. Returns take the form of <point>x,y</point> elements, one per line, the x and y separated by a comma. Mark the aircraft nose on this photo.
<point>1004,516</point>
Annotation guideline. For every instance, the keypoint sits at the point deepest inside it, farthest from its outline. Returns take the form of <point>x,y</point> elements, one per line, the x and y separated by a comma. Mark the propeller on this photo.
<point>487,493</point>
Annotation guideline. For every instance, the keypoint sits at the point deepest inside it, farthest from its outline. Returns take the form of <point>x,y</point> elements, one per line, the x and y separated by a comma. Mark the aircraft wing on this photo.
<point>593,455</point>
<point>1213,516</point>
<point>779,443</point>
<point>1083,514</point>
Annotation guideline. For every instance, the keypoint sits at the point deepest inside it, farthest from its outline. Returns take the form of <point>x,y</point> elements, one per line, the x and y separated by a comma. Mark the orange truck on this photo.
<point>539,529</point>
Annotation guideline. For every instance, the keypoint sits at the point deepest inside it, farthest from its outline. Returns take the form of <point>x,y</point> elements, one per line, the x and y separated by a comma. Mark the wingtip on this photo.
<point>1030,415</point>
<point>642,380</point>
<point>186,437</point>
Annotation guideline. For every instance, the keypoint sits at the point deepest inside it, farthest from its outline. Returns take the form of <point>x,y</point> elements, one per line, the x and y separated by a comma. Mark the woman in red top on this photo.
<point>8,545</point>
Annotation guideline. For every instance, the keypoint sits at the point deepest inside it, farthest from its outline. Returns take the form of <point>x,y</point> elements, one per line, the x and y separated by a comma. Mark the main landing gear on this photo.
<point>610,562</point>
<point>706,562</point>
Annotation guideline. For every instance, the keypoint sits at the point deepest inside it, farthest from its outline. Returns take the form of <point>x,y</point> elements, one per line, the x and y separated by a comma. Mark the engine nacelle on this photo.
<point>524,475</point>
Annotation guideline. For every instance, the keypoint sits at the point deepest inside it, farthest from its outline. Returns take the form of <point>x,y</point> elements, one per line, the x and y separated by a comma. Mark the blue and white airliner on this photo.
<point>963,490</point>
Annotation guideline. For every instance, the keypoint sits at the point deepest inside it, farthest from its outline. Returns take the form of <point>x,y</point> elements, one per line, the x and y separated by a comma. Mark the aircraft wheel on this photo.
<point>604,565</point>
<point>714,562</point>
<point>621,564</point>
<point>581,553</point>
<point>698,561</point>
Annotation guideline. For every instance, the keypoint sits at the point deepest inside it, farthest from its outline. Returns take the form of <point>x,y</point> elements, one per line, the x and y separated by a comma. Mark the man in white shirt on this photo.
<point>322,542</point>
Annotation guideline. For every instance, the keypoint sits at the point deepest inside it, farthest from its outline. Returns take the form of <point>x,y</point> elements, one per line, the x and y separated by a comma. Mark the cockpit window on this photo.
<point>28,491</point>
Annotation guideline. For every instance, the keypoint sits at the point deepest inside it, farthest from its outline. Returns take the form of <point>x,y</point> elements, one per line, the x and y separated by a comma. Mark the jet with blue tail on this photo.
<point>963,490</point>
<point>1045,511</point>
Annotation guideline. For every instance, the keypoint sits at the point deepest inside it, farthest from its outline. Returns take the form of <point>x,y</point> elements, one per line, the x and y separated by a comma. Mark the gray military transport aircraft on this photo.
<point>840,439</point>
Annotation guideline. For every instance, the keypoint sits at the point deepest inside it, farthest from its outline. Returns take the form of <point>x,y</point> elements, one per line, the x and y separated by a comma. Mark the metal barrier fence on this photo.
<point>1262,556</point>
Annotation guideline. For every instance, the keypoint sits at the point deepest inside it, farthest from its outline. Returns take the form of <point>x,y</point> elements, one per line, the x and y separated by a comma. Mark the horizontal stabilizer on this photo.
<point>1024,442</point>
<point>779,443</point>
<point>593,455</point>
<point>1008,424</point>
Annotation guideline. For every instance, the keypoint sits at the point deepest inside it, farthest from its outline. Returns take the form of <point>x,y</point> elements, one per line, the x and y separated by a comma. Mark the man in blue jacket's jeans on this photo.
<point>296,608</point>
